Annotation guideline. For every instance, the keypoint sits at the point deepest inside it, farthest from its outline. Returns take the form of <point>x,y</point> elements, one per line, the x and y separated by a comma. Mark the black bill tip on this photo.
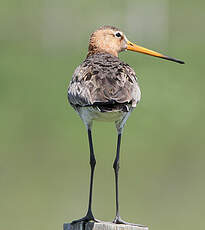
<point>173,59</point>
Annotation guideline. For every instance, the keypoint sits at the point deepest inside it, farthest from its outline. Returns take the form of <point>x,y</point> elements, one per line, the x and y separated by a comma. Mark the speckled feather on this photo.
<point>104,80</point>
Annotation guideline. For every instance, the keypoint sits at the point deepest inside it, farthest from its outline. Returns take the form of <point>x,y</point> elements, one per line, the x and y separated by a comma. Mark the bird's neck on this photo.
<point>92,49</point>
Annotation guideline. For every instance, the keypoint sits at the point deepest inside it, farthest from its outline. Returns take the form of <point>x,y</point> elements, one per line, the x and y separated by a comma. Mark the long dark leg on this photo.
<point>116,167</point>
<point>92,166</point>
<point>89,216</point>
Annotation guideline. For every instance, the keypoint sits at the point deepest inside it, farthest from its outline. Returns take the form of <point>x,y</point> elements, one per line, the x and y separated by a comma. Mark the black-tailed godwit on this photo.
<point>104,88</point>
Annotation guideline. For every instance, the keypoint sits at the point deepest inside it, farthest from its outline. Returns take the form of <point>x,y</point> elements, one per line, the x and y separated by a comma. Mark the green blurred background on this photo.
<point>44,170</point>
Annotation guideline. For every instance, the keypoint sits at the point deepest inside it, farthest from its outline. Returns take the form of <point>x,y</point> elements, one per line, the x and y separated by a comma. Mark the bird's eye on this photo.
<point>118,34</point>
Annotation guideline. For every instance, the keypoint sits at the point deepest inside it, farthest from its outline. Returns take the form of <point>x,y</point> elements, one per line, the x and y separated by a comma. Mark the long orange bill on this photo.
<point>133,47</point>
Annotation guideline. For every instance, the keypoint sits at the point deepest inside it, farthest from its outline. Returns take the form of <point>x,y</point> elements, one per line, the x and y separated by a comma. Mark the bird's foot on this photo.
<point>118,220</point>
<point>89,217</point>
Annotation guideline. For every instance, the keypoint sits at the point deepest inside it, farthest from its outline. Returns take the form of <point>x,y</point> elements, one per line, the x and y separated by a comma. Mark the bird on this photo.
<point>104,88</point>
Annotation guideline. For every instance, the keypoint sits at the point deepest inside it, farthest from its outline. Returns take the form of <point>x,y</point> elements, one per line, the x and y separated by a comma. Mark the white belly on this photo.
<point>88,114</point>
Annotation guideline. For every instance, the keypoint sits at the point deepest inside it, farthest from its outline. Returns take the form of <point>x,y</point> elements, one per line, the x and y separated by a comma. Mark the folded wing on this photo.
<point>103,79</point>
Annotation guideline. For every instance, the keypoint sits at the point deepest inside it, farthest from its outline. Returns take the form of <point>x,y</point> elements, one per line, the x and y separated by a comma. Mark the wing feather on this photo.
<point>103,78</point>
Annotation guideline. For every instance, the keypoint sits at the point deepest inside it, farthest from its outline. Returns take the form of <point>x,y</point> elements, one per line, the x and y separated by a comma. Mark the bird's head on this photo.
<point>109,39</point>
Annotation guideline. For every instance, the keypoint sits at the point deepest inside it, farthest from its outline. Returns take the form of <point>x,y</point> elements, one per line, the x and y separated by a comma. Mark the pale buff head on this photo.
<point>107,39</point>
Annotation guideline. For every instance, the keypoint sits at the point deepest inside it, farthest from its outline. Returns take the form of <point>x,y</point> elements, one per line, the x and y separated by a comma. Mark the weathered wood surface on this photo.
<point>102,226</point>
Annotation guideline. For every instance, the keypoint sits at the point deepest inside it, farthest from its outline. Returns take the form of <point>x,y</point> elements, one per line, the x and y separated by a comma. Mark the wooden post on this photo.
<point>101,226</point>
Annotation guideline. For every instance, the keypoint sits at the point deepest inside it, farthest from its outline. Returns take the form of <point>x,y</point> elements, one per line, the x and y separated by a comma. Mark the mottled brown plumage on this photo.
<point>103,79</point>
